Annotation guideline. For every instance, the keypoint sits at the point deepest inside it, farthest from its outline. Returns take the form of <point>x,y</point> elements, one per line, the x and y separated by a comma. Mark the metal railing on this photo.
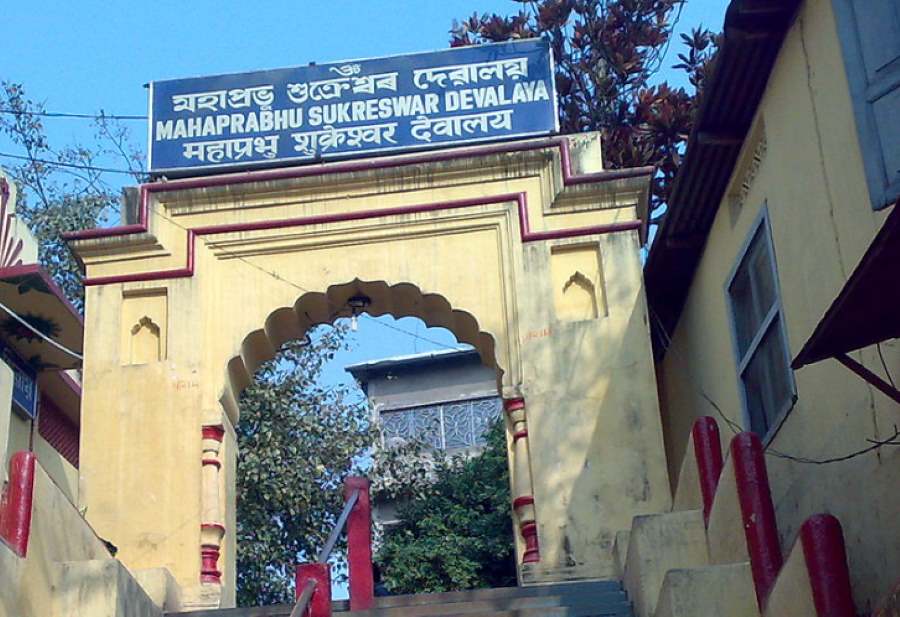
<point>309,588</point>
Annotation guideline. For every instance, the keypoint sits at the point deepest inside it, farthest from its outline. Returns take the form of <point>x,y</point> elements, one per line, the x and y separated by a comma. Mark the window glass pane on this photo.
<point>428,426</point>
<point>484,413</point>
<point>767,381</point>
<point>397,426</point>
<point>458,425</point>
<point>752,291</point>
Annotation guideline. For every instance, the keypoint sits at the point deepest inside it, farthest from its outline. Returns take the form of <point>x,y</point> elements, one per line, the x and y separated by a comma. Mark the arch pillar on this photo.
<point>522,488</point>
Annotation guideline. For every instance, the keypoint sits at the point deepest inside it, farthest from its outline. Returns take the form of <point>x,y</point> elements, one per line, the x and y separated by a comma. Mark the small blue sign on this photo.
<point>358,107</point>
<point>24,394</point>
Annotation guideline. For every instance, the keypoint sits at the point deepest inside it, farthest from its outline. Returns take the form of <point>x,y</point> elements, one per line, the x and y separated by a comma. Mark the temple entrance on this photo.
<point>406,406</point>
<point>528,251</point>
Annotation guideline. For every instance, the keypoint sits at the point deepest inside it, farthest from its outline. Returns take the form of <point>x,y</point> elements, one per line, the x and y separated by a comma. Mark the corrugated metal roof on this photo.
<point>753,33</point>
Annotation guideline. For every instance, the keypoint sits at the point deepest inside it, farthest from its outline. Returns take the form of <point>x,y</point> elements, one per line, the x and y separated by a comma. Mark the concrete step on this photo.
<point>602,603</point>
<point>472,595</point>
<point>575,599</point>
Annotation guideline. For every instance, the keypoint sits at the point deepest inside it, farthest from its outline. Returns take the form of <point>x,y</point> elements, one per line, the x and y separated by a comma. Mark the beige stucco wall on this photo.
<point>811,179</point>
<point>593,423</point>
<point>67,570</point>
<point>6,413</point>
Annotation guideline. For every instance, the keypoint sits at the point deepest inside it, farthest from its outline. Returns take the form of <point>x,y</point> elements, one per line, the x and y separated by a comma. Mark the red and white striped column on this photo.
<point>523,493</point>
<point>211,529</point>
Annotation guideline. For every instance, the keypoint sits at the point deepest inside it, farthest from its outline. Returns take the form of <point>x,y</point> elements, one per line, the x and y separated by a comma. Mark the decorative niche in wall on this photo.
<point>578,289</point>
<point>144,325</point>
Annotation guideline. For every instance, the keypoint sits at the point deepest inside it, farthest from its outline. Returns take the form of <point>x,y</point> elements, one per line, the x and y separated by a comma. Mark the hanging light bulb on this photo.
<point>357,305</point>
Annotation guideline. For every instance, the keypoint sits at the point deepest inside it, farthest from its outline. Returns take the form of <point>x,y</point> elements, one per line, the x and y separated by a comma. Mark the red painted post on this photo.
<point>15,519</point>
<point>826,564</point>
<point>320,604</point>
<point>359,546</point>
<point>757,512</point>
<point>708,453</point>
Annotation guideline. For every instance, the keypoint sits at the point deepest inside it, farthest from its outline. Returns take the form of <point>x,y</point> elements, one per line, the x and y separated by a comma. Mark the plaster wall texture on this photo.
<point>63,473</point>
<point>811,181</point>
<point>67,570</point>
<point>658,544</point>
<point>791,596</point>
<point>58,533</point>
<point>725,531</point>
<point>713,591</point>
<point>19,434</point>
<point>687,488</point>
<point>99,587</point>
<point>593,421</point>
<point>6,413</point>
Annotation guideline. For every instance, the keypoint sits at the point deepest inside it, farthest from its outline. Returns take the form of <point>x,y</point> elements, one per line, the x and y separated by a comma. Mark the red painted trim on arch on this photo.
<point>214,431</point>
<point>757,512</point>
<point>826,564</point>
<point>708,454</point>
<point>15,514</point>
<point>513,404</point>
<point>209,560</point>
<point>321,170</point>
<point>524,500</point>
<point>520,198</point>
<point>532,549</point>
<point>520,435</point>
<point>219,526</point>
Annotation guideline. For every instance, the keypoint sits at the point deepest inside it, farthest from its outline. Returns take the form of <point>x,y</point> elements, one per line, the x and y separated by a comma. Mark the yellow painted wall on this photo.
<point>811,179</point>
<point>58,468</point>
<point>584,368</point>
<point>19,434</point>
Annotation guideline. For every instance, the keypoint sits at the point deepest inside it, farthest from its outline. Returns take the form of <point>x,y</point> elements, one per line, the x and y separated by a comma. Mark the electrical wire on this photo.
<point>59,114</point>
<point>213,244</point>
<point>885,366</point>
<point>300,288</point>
<point>111,170</point>
<point>736,428</point>
<point>37,332</point>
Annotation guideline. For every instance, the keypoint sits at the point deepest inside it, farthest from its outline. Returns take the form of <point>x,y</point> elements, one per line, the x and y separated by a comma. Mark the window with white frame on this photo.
<point>764,373</point>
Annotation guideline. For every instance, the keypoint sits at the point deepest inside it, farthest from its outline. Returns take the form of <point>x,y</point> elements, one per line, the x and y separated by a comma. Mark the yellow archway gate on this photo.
<point>528,250</point>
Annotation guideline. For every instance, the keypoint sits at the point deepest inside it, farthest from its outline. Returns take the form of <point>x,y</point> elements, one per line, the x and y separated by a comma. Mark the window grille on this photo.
<point>766,380</point>
<point>443,426</point>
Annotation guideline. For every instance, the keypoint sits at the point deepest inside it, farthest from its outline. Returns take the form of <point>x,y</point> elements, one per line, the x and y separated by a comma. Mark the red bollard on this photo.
<point>359,546</point>
<point>826,564</point>
<point>708,454</point>
<point>15,519</point>
<point>757,512</point>
<point>320,604</point>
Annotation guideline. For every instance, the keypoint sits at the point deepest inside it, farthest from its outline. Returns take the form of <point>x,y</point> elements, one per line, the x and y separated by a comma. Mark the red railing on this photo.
<point>313,580</point>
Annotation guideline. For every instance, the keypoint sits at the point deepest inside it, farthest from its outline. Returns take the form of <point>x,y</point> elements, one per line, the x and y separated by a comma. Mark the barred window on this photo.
<point>444,426</point>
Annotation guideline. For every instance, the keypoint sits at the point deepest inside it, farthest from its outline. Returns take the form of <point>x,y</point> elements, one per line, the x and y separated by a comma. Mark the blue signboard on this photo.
<point>24,394</point>
<point>357,107</point>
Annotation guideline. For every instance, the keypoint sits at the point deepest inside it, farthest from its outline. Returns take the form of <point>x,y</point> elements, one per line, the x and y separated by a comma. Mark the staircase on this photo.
<point>579,599</point>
